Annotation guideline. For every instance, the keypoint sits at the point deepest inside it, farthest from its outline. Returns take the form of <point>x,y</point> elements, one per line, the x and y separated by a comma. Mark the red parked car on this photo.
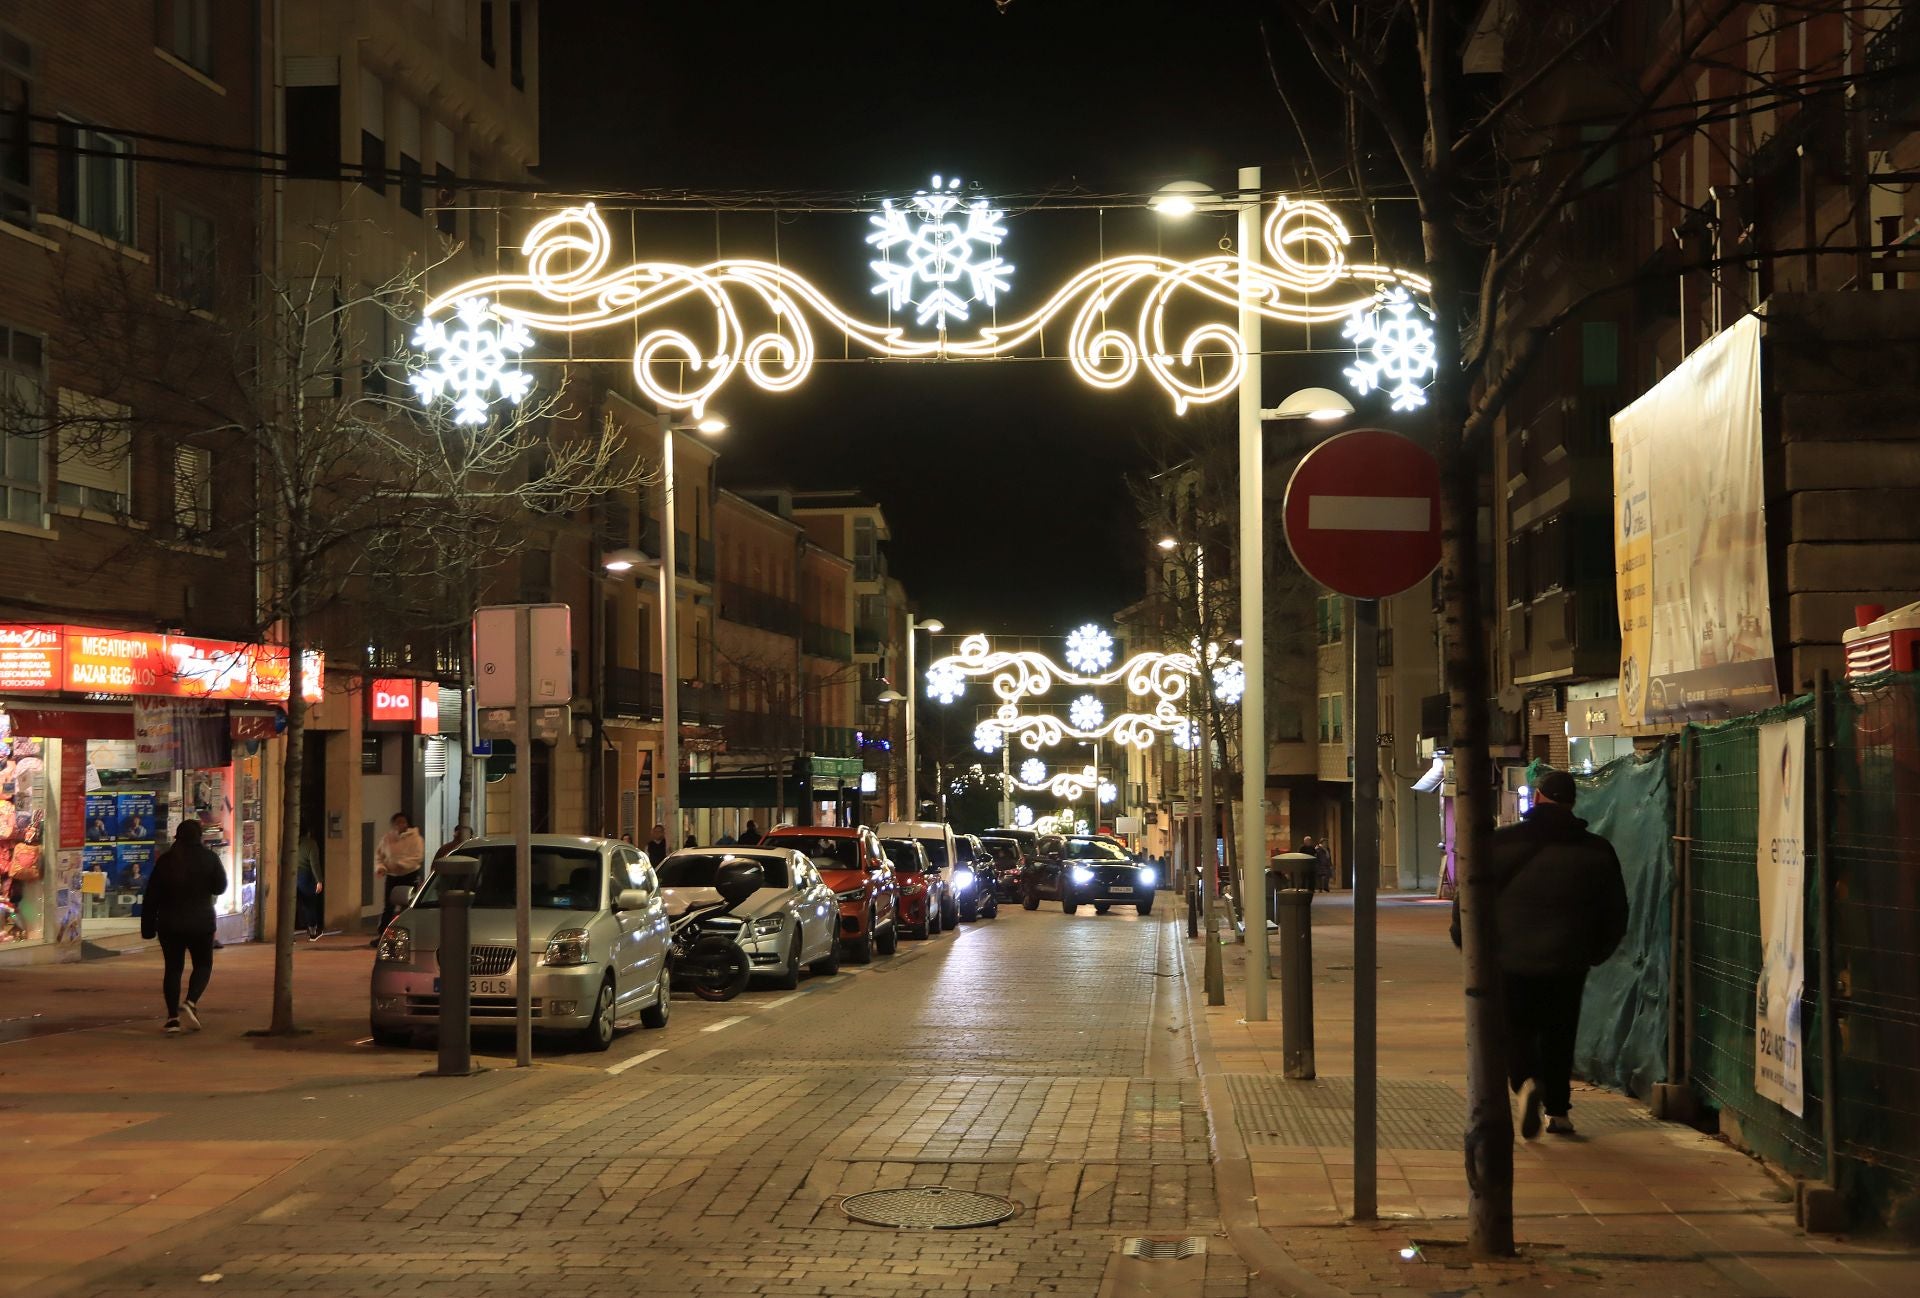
<point>850,860</point>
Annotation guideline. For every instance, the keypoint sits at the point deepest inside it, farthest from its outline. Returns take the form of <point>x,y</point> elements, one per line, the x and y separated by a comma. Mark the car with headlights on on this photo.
<point>599,927</point>
<point>923,889</point>
<point>1009,862</point>
<point>791,920</point>
<point>1082,870</point>
<point>972,879</point>
<point>850,860</point>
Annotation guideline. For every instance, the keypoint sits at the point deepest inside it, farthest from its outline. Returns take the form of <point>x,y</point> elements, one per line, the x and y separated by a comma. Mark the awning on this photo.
<point>728,790</point>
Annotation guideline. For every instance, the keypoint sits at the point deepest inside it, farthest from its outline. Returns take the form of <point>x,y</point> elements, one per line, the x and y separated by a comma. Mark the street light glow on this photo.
<point>1167,543</point>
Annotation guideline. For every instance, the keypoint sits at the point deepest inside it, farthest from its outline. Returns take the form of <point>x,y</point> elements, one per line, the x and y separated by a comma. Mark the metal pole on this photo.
<point>912,692</point>
<point>1253,614</point>
<point>1213,972</point>
<point>669,773</point>
<point>523,837</point>
<point>1829,984</point>
<point>1365,849</point>
<point>1006,790</point>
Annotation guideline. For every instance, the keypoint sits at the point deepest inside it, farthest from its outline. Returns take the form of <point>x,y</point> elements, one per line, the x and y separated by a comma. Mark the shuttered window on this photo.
<point>95,469</point>
<point>192,490</point>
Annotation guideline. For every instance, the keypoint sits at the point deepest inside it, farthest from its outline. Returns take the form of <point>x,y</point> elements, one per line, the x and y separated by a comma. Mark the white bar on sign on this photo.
<point>1369,513</point>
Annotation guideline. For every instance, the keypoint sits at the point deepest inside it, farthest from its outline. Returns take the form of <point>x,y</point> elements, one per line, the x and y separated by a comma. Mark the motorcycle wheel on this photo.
<point>716,969</point>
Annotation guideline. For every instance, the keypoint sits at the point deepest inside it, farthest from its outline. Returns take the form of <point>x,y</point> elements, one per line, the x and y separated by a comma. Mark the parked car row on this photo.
<point>604,919</point>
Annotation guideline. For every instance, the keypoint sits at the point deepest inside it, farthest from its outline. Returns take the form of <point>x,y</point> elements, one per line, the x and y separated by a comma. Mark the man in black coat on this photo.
<point>1559,908</point>
<point>178,910</point>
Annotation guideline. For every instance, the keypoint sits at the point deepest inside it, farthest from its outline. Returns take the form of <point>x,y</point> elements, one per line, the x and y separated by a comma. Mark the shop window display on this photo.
<point>23,846</point>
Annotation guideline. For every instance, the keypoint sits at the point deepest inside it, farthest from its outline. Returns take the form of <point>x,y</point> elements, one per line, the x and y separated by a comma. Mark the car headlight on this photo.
<point>566,947</point>
<point>767,926</point>
<point>1149,876</point>
<point>963,878</point>
<point>1081,874</point>
<point>852,894</point>
<point>396,946</point>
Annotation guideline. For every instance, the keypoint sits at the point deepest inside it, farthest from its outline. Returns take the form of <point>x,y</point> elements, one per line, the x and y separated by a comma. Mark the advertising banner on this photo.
<point>1782,863</point>
<point>88,660</point>
<point>1690,558</point>
<point>29,659</point>
<point>156,748</point>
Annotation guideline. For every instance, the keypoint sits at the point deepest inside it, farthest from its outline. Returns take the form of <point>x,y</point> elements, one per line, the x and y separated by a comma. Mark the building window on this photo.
<point>410,185</point>
<point>96,181</point>
<point>313,132</point>
<point>23,475</point>
<point>443,177</point>
<point>1599,354</point>
<point>16,142</point>
<point>373,133</point>
<point>516,45</point>
<point>406,141</point>
<point>192,490</point>
<point>187,27</point>
<point>1383,651</point>
<point>1330,614</point>
<point>94,468</point>
<point>188,259</point>
<point>1289,726</point>
<point>487,55</point>
<point>1333,728</point>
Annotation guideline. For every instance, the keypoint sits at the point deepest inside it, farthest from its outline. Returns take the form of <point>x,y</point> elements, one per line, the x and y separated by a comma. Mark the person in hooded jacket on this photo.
<point>178,910</point>
<point>1559,908</point>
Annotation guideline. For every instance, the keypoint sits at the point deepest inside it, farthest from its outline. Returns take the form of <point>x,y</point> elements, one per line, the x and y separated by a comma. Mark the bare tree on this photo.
<point>364,517</point>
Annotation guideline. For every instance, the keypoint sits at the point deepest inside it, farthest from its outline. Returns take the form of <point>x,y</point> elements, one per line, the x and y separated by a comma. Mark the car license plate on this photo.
<point>483,986</point>
<point>1120,887</point>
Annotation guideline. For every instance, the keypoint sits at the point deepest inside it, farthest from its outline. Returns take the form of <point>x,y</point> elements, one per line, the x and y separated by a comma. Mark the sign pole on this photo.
<point>1253,616</point>
<point>523,836</point>
<point>1365,855</point>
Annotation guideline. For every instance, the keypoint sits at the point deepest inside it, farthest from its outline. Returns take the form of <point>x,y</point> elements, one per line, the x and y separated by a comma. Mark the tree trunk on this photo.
<point>285,876</point>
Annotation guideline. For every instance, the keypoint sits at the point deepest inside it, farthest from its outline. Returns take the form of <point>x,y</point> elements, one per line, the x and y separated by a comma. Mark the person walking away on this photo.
<point>750,836</point>
<point>308,885</point>
<point>657,844</point>
<point>177,909</point>
<point>1322,864</point>
<point>397,861</point>
<point>1559,908</point>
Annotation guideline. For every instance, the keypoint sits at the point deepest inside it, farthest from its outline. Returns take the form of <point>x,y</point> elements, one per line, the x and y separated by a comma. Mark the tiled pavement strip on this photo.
<point>1017,1058</point>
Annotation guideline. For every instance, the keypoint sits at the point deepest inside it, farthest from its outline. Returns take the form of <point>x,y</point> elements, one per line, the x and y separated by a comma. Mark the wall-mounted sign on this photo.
<point>88,660</point>
<point>393,699</point>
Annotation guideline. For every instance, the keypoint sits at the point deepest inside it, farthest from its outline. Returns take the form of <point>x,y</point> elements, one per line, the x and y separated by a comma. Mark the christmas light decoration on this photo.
<point>471,359</point>
<point>1086,712</point>
<point>987,741</point>
<point>1230,681</point>
<point>1185,734</point>
<point>1108,792</point>
<point>945,683</point>
<point>1022,817</point>
<point>1089,649</point>
<point>1068,786</point>
<point>759,318</point>
<point>1398,348</point>
<point>1033,771</point>
<point>947,243</point>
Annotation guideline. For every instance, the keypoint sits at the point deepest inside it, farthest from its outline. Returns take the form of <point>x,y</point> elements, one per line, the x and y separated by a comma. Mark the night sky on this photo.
<point>1004,482</point>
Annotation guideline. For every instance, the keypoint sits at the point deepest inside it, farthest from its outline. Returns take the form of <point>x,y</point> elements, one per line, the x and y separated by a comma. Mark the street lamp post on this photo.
<point>933,626</point>
<point>667,778</point>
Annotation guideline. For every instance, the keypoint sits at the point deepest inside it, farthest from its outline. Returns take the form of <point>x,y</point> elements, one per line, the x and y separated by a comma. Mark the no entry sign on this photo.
<point>1362,513</point>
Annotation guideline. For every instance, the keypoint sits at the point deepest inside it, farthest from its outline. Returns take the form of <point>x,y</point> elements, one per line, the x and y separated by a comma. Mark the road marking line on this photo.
<point>781,1000</point>
<point>1369,513</point>
<point>725,1023</point>
<point>641,1058</point>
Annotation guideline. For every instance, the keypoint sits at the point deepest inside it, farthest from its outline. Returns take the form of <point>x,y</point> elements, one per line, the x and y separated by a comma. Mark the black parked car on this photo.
<point>972,879</point>
<point>1081,870</point>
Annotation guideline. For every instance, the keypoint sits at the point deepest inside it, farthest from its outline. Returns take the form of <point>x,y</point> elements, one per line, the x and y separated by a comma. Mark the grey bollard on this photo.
<point>455,1030</point>
<point>1295,916</point>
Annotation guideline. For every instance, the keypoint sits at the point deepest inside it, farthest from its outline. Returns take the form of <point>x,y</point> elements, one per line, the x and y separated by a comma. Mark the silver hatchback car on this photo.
<point>792,920</point>
<point>599,943</point>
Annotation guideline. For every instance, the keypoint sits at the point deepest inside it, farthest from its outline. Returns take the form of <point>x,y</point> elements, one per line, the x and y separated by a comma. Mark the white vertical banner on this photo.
<point>1782,862</point>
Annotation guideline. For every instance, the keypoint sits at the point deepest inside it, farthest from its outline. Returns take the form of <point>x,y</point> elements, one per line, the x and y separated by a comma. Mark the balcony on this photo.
<point>756,608</point>
<point>870,638</point>
<point>634,695</point>
<point>871,690</point>
<point>827,642</point>
<point>831,741</point>
<point>762,732</point>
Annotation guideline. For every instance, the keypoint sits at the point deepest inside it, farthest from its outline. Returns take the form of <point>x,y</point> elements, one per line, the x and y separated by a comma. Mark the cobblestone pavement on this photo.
<point>1037,1056</point>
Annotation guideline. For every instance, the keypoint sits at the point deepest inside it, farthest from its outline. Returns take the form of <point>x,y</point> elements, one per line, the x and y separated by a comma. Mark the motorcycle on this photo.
<point>711,965</point>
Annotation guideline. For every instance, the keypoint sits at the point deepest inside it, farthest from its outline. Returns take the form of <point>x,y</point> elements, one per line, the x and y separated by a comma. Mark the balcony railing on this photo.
<point>756,608</point>
<point>827,642</point>
<point>831,741</point>
<point>635,695</point>
<point>762,732</point>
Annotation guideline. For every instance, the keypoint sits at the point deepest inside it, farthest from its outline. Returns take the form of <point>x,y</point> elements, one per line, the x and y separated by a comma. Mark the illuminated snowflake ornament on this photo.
<point>1086,713</point>
<point>1033,770</point>
<point>986,738</point>
<point>1108,792</point>
<point>945,683</point>
<point>1397,349</point>
<point>1089,649</point>
<point>471,361</point>
<point>1229,681</point>
<point>1185,734</point>
<point>949,253</point>
<point>1022,817</point>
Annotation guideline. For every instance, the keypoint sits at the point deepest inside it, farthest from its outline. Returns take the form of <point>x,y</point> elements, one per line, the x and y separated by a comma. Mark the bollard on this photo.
<point>1294,912</point>
<point>456,966</point>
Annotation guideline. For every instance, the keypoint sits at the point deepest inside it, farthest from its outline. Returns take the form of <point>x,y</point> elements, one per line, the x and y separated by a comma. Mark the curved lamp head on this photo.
<point>1312,403</point>
<point>1182,198</point>
<point>932,624</point>
<point>625,559</point>
<point>892,696</point>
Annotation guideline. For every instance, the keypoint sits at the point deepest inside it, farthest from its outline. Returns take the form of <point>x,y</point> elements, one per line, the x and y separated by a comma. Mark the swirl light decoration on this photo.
<point>1068,786</point>
<point>760,319</point>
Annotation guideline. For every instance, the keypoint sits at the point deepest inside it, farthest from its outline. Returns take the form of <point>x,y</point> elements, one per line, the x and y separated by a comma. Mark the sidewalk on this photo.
<point>118,1135</point>
<point>1629,1206</point>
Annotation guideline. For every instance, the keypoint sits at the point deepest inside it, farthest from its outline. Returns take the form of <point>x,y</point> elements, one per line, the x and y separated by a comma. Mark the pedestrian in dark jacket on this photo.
<point>178,910</point>
<point>1559,908</point>
<point>657,848</point>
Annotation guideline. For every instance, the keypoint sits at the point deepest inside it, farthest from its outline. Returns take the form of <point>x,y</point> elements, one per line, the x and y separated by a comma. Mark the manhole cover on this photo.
<point>1164,1250</point>
<point>928,1207</point>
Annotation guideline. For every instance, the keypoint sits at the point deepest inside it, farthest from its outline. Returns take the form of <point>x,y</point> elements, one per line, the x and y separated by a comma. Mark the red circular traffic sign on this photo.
<point>1362,513</point>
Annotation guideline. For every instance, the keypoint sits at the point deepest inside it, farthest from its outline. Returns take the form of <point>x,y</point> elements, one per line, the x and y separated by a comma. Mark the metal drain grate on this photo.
<point>1164,1250</point>
<point>928,1207</point>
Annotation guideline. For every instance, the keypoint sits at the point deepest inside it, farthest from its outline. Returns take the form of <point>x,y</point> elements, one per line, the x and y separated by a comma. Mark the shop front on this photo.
<point>108,740</point>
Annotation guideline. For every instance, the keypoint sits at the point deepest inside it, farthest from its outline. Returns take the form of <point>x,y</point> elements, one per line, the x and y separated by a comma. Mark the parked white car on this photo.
<point>791,921</point>
<point>599,943</point>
